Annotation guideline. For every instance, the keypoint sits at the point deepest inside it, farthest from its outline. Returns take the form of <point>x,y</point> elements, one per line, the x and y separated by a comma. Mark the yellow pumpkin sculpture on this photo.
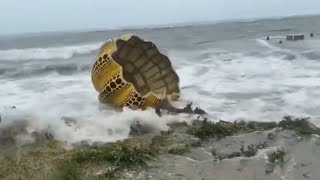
<point>131,72</point>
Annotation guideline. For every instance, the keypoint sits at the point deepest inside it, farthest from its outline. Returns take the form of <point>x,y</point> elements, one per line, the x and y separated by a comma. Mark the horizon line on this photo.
<point>162,25</point>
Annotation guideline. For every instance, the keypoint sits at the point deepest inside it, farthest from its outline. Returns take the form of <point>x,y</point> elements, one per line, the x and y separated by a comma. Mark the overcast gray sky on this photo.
<point>19,16</point>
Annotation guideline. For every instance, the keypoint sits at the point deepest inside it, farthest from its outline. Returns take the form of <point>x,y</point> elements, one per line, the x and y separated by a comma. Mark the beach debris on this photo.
<point>158,111</point>
<point>198,110</point>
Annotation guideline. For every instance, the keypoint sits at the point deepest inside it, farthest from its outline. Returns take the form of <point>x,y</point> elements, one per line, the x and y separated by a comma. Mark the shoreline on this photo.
<point>198,150</point>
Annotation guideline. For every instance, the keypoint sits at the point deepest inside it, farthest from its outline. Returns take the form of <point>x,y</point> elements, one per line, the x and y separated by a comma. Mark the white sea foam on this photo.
<point>253,88</point>
<point>266,44</point>
<point>42,102</point>
<point>99,126</point>
<point>242,87</point>
<point>64,52</point>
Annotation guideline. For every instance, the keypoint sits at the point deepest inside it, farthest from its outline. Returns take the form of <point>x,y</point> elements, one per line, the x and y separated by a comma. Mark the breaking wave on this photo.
<point>61,69</point>
<point>20,127</point>
<point>266,44</point>
<point>64,52</point>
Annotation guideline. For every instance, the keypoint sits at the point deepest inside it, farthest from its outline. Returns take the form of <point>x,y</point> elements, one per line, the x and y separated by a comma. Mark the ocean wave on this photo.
<point>61,69</point>
<point>64,52</point>
<point>287,53</point>
<point>312,55</point>
<point>277,37</point>
<point>266,44</point>
<point>280,30</point>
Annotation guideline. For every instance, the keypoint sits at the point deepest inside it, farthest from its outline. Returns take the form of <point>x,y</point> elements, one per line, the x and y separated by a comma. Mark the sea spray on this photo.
<point>106,126</point>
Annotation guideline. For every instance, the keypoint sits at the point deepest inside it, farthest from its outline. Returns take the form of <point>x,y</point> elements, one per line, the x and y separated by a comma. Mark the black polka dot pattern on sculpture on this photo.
<point>102,63</point>
<point>134,100</point>
<point>156,101</point>
<point>118,81</point>
<point>115,84</point>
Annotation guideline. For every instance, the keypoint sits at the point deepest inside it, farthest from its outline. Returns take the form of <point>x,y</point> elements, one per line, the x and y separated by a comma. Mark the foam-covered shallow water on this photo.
<point>228,69</point>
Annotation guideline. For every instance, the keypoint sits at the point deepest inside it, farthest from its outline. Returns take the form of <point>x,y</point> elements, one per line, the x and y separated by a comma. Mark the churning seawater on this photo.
<point>228,69</point>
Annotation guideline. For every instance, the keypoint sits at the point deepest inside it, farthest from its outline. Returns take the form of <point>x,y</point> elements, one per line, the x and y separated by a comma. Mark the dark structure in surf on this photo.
<point>295,37</point>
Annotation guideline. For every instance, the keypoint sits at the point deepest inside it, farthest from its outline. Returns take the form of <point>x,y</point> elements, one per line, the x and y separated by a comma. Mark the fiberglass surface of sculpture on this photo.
<point>132,72</point>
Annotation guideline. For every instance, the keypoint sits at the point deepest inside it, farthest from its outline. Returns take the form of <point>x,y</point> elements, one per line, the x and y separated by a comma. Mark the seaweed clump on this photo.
<point>251,150</point>
<point>120,156</point>
<point>178,149</point>
<point>276,157</point>
<point>208,129</point>
<point>300,125</point>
